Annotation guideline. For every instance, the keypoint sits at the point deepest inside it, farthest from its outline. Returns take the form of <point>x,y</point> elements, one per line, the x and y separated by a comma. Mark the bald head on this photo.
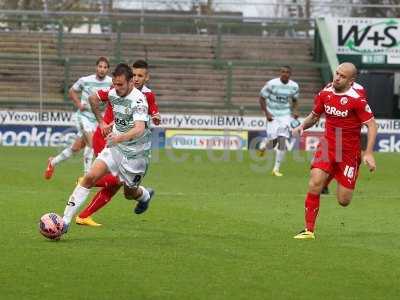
<point>349,68</point>
<point>344,77</point>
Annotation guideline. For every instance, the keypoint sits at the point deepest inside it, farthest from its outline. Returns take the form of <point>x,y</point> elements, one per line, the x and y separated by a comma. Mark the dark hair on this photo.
<point>123,69</point>
<point>140,64</point>
<point>103,59</point>
<point>287,67</point>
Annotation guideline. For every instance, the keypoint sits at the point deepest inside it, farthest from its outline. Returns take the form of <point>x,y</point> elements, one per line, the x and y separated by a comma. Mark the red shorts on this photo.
<point>98,142</point>
<point>344,169</point>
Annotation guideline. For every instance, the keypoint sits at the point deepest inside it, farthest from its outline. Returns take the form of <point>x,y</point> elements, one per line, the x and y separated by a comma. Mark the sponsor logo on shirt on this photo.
<point>331,110</point>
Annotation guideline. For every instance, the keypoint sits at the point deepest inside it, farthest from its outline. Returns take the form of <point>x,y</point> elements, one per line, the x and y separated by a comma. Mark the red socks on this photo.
<point>99,200</point>
<point>107,180</point>
<point>311,210</point>
<point>110,186</point>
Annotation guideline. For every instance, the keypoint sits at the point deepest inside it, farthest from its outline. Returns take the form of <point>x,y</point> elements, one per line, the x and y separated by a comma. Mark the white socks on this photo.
<point>75,201</point>
<point>145,195</point>
<point>280,154</point>
<point>65,154</point>
<point>87,159</point>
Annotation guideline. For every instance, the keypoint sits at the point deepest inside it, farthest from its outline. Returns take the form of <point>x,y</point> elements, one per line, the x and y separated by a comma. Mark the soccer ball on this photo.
<point>51,226</point>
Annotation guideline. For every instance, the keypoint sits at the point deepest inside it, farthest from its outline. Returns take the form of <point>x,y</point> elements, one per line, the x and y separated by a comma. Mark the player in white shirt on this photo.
<point>128,145</point>
<point>84,118</point>
<point>278,101</point>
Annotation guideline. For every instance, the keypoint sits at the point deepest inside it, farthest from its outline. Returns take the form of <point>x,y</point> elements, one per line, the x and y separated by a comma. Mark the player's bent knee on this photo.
<point>88,181</point>
<point>344,195</point>
<point>78,145</point>
<point>344,203</point>
<point>344,200</point>
<point>315,185</point>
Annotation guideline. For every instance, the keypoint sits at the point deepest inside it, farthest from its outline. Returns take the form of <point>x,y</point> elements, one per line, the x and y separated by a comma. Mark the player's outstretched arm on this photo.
<point>368,157</point>
<point>308,122</point>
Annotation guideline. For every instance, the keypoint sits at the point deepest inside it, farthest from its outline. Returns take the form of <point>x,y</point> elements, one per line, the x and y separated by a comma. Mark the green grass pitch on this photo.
<point>215,230</point>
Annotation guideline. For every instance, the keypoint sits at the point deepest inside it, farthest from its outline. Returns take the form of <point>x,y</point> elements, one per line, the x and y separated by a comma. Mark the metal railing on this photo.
<point>226,67</point>
<point>153,23</point>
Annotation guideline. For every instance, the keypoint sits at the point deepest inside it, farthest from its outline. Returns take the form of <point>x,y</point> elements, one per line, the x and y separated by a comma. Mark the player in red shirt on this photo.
<point>109,183</point>
<point>363,93</point>
<point>339,152</point>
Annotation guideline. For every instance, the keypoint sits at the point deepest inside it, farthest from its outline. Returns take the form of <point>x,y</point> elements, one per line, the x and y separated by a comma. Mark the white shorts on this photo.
<point>129,171</point>
<point>279,126</point>
<point>84,125</point>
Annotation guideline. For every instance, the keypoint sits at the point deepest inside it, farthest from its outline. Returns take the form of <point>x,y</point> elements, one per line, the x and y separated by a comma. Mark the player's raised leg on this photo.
<point>344,195</point>
<point>260,151</point>
<point>346,177</point>
<point>269,142</point>
<point>52,162</point>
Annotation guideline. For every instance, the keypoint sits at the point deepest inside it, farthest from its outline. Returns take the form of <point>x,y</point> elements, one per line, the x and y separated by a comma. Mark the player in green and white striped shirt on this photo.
<point>84,118</point>
<point>278,100</point>
<point>128,145</point>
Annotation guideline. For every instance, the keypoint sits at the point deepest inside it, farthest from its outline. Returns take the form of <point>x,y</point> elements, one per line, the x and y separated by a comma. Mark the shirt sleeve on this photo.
<point>266,90</point>
<point>108,114</point>
<point>318,105</point>
<point>140,109</point>
<point>78,85</point>
<point>152,103</point>
<point>363,111</point>
<point>102,94</point>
